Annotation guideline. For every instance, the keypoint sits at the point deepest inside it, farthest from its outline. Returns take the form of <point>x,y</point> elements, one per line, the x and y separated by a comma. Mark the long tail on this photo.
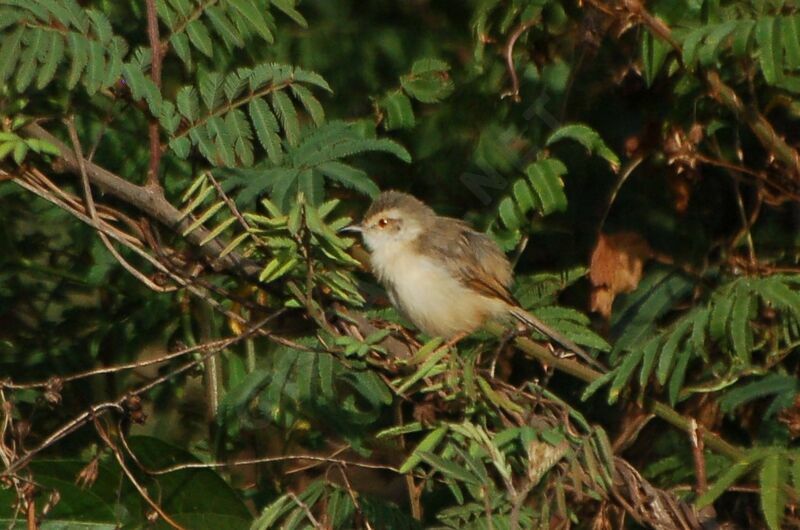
<point>533,322</point>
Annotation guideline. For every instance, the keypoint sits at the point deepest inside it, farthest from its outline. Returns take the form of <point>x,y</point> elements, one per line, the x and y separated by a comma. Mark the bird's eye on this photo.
<point>382,223</point>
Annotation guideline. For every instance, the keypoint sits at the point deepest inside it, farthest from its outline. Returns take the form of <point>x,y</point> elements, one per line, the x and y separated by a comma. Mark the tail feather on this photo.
<point>533,322</point>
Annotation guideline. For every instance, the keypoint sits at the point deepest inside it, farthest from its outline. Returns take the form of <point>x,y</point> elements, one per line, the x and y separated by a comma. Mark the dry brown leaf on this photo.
<point>616,267</point>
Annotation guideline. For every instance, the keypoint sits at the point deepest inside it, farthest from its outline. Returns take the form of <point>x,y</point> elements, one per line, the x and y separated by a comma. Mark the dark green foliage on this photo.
<point>550,125</point>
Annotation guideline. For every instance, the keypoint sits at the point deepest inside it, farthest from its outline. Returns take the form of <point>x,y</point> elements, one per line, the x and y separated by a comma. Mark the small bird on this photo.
<point>447,278</point>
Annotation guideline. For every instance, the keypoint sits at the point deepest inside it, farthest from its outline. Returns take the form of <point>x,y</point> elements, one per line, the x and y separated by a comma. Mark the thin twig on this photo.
<point>87,192</point>
<point>113,369</point>
<point>152,204</point>
<point>271,459</point>
<point>101,408</point>
<point>696,439</point>
<point>307,511</point>
<point>155,75</point>
<point>508,52</point>
<point>139,488</point>
<point>182,281</point>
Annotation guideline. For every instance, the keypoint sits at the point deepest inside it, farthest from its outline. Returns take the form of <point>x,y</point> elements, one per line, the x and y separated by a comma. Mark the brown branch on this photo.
<point>189,284</point>
<point>113,369</point>
<point>763,130</point>
<point>155,75</point>
<point>90,207</point>
<point>268,460</point>
<point>508,53</point>
<point>589,375</point>
<point>148,201</point>
<point>696,439</point>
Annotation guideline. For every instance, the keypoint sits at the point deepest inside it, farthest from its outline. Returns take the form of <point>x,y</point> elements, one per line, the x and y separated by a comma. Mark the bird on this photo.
<point>445,276</point>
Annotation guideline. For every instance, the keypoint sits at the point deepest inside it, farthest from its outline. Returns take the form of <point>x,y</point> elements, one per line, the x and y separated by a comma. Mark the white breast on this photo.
<point>429,296</point>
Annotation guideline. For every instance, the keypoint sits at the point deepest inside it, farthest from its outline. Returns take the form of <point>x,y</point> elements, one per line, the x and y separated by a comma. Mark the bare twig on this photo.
<point>151,203</point>
<point>508,53</point>
<point>99,409</point>
<point>307,511</point>
<point>155,75</point>
<point>182,281</point>
<point>272,459</point>
<point>116,368</point>
<point>90,207</point>
<point>696,439</point>
<point>139,488</point>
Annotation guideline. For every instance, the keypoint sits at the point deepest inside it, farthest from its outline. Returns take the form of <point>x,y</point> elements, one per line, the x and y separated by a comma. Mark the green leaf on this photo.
<point>425,368</point>
<point>266,127</point>
<point>429,65</point>
<point>429,87</point>
<point>310,103</point>
<point>53,53</point>
<point>180,43</point>
<point>205,216</point>
<point>730,476</point>
<point>398,111</point>
<point>223,26</point>
<point>720,313</point>
<point>427,445</point>
<point>768,385</point>
<point>649,354</point>
<point>709,52</point>
<point>96,69</point>
<point>79,48</point>
<point>287,8</point>
<point>654,52</point>
<point>28,59</point>
<point>546,182</point>
<point>350,177</point>
<point>101,26</point>
<point>588,138</point>
<point>790,33</point>
<point>508,213</point>
<point>200,38</point>
<point>237,124</point>
<point>741,38</point>
<point>223,138</point>
<point>210,84</point>
<point>524,197</point>
<point>450,469</point>
<point>286,113</point>
<point>9,52</point>
<point>251,13</point>
<point>623,373</point>
<point>739,325</point>
<point>770,57</point>
<point>772,480</point>
<point>188,103</point>
<point>671,349</point>
<point>181,146</point>
<point>691,44</point>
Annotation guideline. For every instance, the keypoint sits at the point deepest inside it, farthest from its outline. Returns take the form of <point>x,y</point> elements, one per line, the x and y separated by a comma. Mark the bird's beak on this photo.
<point>352,228</point>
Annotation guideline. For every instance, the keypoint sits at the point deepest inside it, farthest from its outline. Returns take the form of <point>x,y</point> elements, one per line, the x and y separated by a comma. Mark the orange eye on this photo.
<point>382,223</point>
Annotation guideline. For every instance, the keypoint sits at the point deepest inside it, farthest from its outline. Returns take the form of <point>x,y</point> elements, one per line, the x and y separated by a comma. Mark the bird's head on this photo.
<point>393,220</point>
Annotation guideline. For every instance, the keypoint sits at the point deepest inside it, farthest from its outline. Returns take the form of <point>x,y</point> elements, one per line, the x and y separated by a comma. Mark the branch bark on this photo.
<point>155,75</point>
<point>149,201</point>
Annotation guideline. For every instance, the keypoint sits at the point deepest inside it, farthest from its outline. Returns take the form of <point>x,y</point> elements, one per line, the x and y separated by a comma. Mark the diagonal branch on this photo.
<point>148,201</point>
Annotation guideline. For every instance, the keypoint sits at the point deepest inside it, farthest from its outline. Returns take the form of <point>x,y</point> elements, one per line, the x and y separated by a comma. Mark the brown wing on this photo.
<point>472,256</point>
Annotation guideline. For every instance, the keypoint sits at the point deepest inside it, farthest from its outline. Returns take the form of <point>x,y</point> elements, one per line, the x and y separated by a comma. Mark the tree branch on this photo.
<point>148,201</point>
<point>155,75</point>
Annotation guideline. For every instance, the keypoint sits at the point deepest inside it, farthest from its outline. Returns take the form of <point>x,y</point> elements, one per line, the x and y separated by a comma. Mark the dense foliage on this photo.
<point>187,340</point>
